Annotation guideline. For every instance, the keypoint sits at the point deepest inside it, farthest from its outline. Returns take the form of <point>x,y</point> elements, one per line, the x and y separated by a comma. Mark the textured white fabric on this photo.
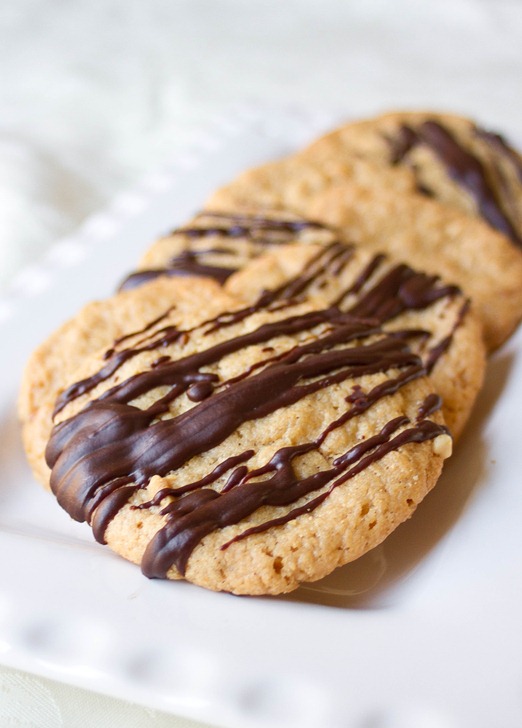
<point>27,701</point>
<point>94,93</point>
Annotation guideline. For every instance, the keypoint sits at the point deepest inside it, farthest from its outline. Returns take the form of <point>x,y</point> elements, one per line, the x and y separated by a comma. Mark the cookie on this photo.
<point>435,316</point>
<point>95,327</point>
<point>247,448</point>
<point>449,158</point>
<point>436,239</point>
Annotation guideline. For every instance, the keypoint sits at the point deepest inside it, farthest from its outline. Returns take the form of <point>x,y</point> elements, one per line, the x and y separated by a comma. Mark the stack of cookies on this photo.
<point>277,385</point>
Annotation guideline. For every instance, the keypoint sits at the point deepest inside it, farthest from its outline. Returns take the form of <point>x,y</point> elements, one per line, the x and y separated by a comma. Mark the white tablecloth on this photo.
<point>95,93</point>
<point>28,701</point>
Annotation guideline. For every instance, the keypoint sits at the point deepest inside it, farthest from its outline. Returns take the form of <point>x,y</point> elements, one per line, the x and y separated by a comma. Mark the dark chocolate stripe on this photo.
<point>195,268</point>
<point>431,404</point>
<point>250,221</point>
<point>401,289</point>
<point>116,360</point>
<point>435,352</point>
<point>498,142</point>
<point>462,166</point>
<point>261,231</point>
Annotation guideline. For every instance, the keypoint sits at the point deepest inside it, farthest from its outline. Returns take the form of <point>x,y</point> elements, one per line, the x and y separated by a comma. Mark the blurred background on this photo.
<point>94,94</point>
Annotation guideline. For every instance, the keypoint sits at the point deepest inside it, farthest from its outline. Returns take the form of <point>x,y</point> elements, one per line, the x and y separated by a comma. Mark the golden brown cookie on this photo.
<point>434,316</point>
<point>448,157</point>
<point>247,448</point>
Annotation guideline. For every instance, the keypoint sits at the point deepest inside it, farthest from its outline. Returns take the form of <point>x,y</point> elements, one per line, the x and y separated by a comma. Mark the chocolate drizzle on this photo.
<point>110,449</point>
<point>258,231</point>
<point>462,166</point>
<point>187,265</point>
<point>431,404</point>
<point>359,457</point>
<point>498,143</point>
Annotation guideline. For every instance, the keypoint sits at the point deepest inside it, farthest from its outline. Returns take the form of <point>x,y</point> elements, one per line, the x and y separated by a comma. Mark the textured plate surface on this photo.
<point>423,632</point>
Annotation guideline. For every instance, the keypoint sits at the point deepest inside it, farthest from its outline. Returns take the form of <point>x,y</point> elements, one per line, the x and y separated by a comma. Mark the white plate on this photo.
<point>424,632</point>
